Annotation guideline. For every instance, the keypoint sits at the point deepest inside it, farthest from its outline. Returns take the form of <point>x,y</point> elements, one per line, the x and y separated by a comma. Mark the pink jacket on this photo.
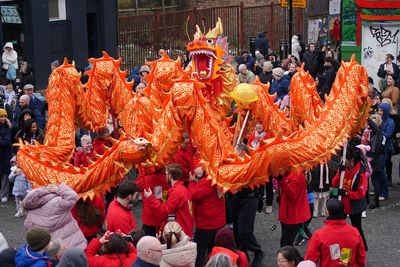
<point>53,212</point>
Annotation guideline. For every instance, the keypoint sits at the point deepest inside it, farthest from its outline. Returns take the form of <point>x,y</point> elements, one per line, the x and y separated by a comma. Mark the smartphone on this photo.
<point>171,217</point>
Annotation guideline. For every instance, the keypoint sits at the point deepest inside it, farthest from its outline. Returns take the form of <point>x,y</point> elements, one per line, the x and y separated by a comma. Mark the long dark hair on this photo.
<point>117,245</point>
<point>88,213</point>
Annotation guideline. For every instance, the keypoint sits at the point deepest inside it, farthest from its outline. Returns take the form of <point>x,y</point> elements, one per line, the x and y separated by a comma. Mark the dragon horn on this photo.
<point>198,33</point>
<point>218,30</point>
<point>187,31</point>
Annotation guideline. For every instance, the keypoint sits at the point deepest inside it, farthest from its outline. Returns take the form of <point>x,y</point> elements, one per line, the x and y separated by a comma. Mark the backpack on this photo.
<point>377,143</point>
<point>11,73</point>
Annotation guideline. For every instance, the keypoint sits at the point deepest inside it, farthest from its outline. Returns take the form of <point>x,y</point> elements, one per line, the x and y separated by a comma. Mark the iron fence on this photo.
<point>141,36</point>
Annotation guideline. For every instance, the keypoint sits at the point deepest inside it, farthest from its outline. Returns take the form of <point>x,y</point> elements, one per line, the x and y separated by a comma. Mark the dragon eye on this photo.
<point>210,41</point>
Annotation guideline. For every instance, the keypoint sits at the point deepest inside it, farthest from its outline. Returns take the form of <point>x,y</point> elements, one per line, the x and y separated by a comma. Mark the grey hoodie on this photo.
<point>73,257</point>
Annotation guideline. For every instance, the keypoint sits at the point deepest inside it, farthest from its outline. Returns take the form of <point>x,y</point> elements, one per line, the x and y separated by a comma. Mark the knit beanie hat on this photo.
<point>224,238</point>
<point>278,72</point>
<point>38,238</point>
<point>3,112</point>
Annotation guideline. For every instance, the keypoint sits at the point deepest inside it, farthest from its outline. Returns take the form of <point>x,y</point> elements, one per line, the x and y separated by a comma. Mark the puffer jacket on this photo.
<point>53,212</point>
<point>182,254</point>
<point>9,58</point>
<point>29,258</point>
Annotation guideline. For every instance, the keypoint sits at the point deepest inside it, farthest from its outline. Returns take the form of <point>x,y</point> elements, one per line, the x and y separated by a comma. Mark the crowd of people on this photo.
<point>186,220</point>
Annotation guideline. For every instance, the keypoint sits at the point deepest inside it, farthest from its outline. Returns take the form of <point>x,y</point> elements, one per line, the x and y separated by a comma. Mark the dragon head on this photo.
<point>207,52</point>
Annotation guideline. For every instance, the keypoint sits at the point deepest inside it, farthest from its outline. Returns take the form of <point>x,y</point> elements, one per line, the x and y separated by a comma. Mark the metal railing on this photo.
<point>141,36</point>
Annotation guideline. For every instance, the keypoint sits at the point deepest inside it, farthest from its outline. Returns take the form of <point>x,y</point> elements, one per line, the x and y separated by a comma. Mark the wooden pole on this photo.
<point>343,172</point>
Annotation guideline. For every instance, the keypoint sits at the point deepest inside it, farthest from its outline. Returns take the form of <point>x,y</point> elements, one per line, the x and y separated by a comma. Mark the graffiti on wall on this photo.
<point>383,36</point>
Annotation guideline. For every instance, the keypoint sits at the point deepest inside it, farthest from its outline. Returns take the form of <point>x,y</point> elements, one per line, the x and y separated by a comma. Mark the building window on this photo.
<point>57,10</point>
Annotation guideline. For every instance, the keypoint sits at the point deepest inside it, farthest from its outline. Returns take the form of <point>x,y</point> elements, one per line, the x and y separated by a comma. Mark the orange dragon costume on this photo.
<point>195,100</point>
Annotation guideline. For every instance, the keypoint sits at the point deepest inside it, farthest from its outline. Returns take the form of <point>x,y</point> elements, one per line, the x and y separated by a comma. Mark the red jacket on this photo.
<point>98,145</point>
<point>109,260</point>
<point>293,208</point>
<point>184,158</point>
<point>120,217</point>
<point>238,258</point>
<point>87,231</point>
<point>337,244</point>
<point>361,190</point>
<point>80,159</point>
<point>208,208</point>
<point>157,183</point>
<point>178,203</point>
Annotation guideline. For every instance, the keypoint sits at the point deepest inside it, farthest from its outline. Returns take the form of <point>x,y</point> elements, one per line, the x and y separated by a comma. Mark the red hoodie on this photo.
<point>178,203</point>
<point>361,190</point>
<point>209,209</point>
<point>120,217</point>
<point>293,208</point>
<point>87,231</point>
<point>336,244</point>
<point>158,184</point>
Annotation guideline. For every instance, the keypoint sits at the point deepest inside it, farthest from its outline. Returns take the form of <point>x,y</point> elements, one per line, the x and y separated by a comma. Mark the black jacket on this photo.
<point>266,77</point>
<point>312,62</point>
<point>382,73</point>
<point>261,43</point>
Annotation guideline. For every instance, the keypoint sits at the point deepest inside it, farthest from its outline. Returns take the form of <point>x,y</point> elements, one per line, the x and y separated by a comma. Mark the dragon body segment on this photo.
<point>197,101</point>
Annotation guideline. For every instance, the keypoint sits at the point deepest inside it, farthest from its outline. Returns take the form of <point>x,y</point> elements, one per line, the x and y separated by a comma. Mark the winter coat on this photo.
<point>92,230</point>
<point>387,126</point>
<point>21,184</point>
<point>312,62</point>
<point>333,165</point>
<point>248,78</point>
<point>5,148</point>
<point>26,257</point>
<point>238,258</point>
<point>266,77</point>
<point>141,263</point>
<point>9,58</point>
<point>261,44</point>
<point>208,207</point>
<point>179,204</point>
<point>293,207</point>
<point>81,158</point>
<point>34,109</point>
<point>280,87</point>
<point>120,217</point>
<point>296,48</point>
<point>159,186</point>
<point>330,76</point>
<point>38,136</point>
<point>333,239</point>
<point>108,260</point>
<point>354,192</point>
<point>182,254</point>
<point>53,212</point>
<point>382,72</point>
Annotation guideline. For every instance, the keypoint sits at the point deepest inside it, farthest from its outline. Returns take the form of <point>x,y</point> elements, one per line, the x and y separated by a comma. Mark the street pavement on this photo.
<point>380,228</point>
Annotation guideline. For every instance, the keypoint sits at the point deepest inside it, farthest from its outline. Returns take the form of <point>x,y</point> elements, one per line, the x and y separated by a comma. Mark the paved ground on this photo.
<point>380,228</point>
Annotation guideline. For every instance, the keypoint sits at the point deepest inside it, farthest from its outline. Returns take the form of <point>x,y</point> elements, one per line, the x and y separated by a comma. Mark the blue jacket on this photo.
<point>387,125</point>
<point>28,258</point>
<point>141,263</point>
<point>281,87</point>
